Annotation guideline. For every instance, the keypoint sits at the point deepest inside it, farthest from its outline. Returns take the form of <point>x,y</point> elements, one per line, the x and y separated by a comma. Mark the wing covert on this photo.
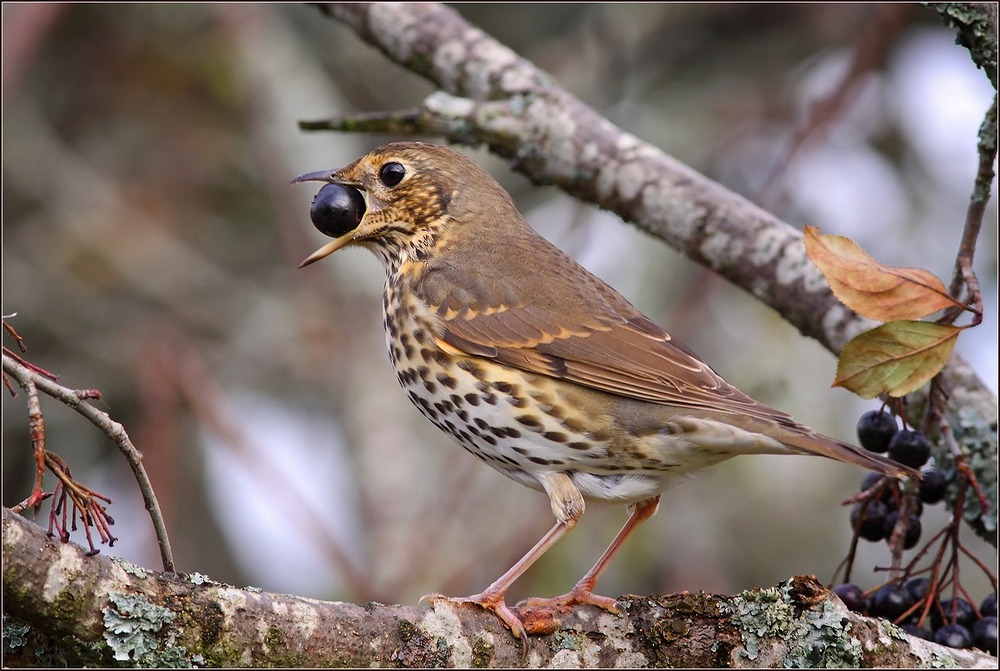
<point>576,328</point>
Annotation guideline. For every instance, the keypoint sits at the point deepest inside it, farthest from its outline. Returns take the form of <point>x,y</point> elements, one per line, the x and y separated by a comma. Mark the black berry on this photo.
<point>913,528</point>
<point>917,587</point>
<point>932,486</point>
<point>875,429</point>
<point>962,610</point>
<point>852,596</point>
<point>870,524</point>
<point>953,635</point>
<point>989,605</point>
<point>889,602</point>
<point>984,634</point>
<point>910,448</point>
<point>337,210</point>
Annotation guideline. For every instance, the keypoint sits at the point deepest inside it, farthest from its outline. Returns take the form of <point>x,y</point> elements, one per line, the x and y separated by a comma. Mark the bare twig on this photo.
<point>14,334</point>
<point>964,275</point>
<point>84,505</point>
<point>36,429</point>
<point>77,400</point>
<point>402,122</point>
<point>897,537</point>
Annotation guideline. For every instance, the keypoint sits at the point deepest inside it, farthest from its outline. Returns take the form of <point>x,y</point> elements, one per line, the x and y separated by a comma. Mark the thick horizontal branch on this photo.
<point>123,613</point>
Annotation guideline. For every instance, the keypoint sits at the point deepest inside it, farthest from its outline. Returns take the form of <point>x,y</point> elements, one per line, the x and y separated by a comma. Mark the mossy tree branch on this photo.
<point>97,610</point>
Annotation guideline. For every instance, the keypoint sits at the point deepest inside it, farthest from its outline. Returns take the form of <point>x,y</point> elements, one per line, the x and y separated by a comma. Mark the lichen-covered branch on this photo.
<point>976,24</point>
<point>60,604</point>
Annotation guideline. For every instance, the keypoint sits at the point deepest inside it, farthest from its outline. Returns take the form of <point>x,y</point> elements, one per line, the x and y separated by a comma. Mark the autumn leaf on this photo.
<point>895,358</point>
<point>877,291</point>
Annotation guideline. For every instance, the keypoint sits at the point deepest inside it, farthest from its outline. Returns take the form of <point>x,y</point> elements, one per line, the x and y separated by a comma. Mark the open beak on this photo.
<point>318,176</point>
<point>327,249</point>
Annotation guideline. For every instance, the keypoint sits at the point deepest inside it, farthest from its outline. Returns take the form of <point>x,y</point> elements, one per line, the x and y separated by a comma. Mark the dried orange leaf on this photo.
<point>895,358</point>
<point>877,291</point>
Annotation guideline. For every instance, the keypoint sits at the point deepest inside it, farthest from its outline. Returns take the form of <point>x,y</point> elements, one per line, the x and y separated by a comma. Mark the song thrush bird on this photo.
<point>530,362</point>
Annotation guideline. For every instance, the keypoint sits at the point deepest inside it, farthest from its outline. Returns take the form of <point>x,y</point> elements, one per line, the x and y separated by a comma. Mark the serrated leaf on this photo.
<point>895,358</point>
<point>877,291</point>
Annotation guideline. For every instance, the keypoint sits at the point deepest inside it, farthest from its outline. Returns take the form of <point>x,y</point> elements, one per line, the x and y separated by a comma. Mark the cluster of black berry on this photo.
<point>878,432</point>
<point>876,517</point>
<point>954,622</point>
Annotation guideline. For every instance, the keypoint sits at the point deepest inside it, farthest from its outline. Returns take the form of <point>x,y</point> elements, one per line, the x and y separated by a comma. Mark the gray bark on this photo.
<point>62,606</point>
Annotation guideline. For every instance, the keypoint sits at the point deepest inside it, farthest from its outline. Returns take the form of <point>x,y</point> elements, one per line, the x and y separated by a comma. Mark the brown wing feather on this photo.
<point>573,326</point>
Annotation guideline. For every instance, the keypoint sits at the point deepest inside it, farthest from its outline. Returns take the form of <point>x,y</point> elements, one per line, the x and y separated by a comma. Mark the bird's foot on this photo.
<point>491,601</point>
<point>534,616</point>
<point>580,595</point>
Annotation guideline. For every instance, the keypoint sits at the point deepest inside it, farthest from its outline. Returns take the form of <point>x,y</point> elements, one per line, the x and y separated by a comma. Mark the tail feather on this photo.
<point>811,442</point>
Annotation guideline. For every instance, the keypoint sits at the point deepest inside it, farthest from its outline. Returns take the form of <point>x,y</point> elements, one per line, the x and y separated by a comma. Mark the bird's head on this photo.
<point>399,199</point>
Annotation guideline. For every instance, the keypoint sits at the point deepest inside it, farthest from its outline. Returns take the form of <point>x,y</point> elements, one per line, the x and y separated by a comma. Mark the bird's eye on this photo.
<point>392,173</point>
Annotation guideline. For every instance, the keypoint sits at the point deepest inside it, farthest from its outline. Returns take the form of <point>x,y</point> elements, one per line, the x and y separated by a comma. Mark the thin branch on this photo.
<point>414,121</point>
<point>36,429</point>
<point>77,400</point>
<point>964,275</point>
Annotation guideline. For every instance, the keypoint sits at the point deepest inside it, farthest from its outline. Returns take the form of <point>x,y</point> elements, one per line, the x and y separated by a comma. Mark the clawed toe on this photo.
<point>576,597</point>
<point>492,602</point>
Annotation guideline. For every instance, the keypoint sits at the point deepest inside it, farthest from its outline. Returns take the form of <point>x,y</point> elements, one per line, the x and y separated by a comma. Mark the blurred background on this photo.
<point>151,238</point>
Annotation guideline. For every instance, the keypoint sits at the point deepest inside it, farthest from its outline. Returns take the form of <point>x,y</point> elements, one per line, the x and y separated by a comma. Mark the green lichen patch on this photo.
<point>132,629</point>
<point>15,634</point>
<point>564,640</point>
<point>773,629</point>
<point>129,567</point>
<point>978,440</point>
<point>25,646</point>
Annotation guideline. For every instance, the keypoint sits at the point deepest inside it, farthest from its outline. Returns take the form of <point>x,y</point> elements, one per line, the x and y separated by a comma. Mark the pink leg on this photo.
<point>582,592</point>
<point>492,598</point>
